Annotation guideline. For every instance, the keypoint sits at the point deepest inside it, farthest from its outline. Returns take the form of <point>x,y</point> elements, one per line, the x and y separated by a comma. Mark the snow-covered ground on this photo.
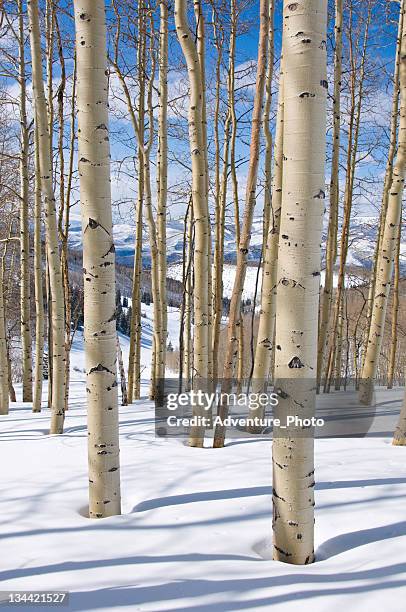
<point>196,523</point>
<point>195,529</point>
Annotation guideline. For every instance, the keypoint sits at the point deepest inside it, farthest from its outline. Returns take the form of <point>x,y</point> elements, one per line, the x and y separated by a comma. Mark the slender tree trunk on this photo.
<point>331,247</point>
<point>188,338</point>
<point>399,438</point>
<point>200,206</point>
<point>395,310</point>
<point>234,320</point>
<point>389,169</point>
<point>124,396</point>
<point>38,276</point>
<point>98,259</point>
<point>134,364</point>
<point>357,83</point>
<point>299,263</point>
<point>162,173</point>
<point>55,274</point>
<point>387,252</point>
<point>25,293</point>
<point>220,183</point>
<point>266,328</point>
<point>4,371</point>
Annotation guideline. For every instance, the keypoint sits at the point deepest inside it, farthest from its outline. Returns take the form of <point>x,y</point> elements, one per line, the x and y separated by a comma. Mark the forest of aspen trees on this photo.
<point>203,304</point>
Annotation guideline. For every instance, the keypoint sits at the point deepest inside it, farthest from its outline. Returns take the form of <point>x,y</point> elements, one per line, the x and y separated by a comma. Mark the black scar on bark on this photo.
<point>112,249</point>
<point>295,363</point>
<point>100,368</point>
<point>93,224</point>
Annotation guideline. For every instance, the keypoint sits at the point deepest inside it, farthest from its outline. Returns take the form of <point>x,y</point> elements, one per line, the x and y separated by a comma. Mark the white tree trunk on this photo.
<point>265,347</point>
<point>299,262</point>
<point>55,272</point>
<point>4,381</point>
<point>200,205</point>
<point>235,320</point>
<point>98,259</point>
<point>25,293</point>
<point>386,255</point>
<point>331,247</point>
<point>399,438</point>
<point>38,277</point>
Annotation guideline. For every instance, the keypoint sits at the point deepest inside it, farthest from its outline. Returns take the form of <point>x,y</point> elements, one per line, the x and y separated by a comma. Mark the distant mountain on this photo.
<point>360,254</point>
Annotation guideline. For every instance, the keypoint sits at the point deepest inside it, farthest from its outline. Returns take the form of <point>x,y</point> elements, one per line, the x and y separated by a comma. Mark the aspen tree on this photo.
<point>399,438</point>
<point>267,128</point>
<point>4,373</point>
<point>159,346</point>
<point>266,327</point>
<point>162,172</point>
<point>188,339</point>
<point>389,167</point>
<point>65,197</point>
<point>39,296</point>
<point>201,261</point>
<point>25,293</point>
<point>357,96</point>
<point>221,182</point>
<point>395,310</point>
<point>386,255</point>
<point>124,395</point>
<point>98,259</point>
<point>144,150</point>
<point>331,247</point>
<point>201,54</point>
<point>235,320</point>
<point>299,263</point>
<point>134,366</point>
<point>54,264</point>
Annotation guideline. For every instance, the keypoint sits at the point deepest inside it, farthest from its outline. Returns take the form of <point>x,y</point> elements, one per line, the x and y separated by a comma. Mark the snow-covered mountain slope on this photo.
<point>361,247</point>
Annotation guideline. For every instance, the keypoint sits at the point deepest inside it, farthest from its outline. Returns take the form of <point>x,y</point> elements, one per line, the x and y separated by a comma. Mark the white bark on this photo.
<point>4,381</point>
<point>39,296</point>
<point>55,273</point>
<point>25,293</point>
<point>299,263</point>
<point>98,259</point>
<point>200,204</point>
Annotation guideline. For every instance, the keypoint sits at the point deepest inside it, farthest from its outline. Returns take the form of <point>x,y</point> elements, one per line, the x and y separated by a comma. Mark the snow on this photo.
<point>196,524</point>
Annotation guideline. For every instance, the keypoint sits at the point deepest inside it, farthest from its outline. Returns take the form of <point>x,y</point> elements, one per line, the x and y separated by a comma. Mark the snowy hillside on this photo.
<point>361,249</point>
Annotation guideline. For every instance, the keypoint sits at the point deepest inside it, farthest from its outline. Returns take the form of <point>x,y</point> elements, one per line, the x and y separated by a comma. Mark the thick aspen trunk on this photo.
<point>39,295</point>
<point>200,206</point>
<point>331,247</point>
<point>387,252</point>
<point>234,320</point>
<point>25,293</point>
<point>55,274</point>
<point>299,263</point>
<point>98,259</point>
